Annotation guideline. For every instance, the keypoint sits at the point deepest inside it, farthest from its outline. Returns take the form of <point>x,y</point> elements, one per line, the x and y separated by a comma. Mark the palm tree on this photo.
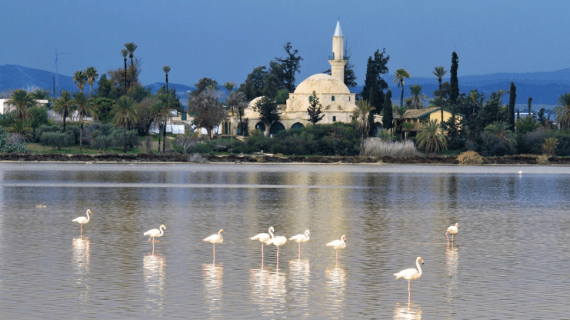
<point>125,115</point>
<point>399,79</point>
<point>166,70</point>
<point>500,130</point>
<point>161,115</point>
<point>63,105</point>
<point>431,138</point>
<point>22,101</point>
<point>92,75</point>
<point>400,112</point>
<point>362,124</point>
<point>80,78</point>
<point>83,105</point>
<point>417,97</point>
<point>131,47</point>
<point>473,96</point>
<point>124,53</point>
<point>40,94</point>
<point>238,100</point>
<point>563,110</point>
<point>439,72</point>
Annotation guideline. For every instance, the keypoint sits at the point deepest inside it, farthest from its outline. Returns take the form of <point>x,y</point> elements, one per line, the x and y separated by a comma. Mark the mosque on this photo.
<point>337,102</point>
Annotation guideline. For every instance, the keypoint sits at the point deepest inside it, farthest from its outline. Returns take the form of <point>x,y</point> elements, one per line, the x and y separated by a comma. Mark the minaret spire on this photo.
<point>338,62</point>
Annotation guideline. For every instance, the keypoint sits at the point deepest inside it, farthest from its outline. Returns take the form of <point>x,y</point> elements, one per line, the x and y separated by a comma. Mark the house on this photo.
<point>6,108</point>
<point>418,117</point>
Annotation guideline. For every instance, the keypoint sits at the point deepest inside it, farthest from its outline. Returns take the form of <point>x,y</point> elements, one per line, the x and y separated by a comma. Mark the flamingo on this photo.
<point>453,230</point>
<point>263,238</point>
<point>155,233</point>
<point>411,274</point>
<point>82,220</point>
<point>214,239</point>
<point>338,244</point>
<point>301,238</point>
<point>277,241</point>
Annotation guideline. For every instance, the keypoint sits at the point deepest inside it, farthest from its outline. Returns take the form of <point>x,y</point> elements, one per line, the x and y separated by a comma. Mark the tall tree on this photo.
<point>439,72</point>
<point>530,106</point>
<point>92,75</point>
<point>206,109</point>
<point>417,97</point>
<point>40,94</point>
<point>166,70</point>
<point>563,110</point>
<point>124,53</point>
<point>161,115</point>
<point>315,109</point>
<point>22,101</point>
<point>63,105</point>
<point>79,79</point>
<point>131,47</point>
<point>238,101</point>
<point>399,79</point>
<point>254,83</point>
<point>291,65</point>
<point>388,117</point>
<point>454,81</point>
<point>125,115</point>
<point>361,114</point>
<point>267,108</point>
<point>83,105</point>
<point>512,102</point>
<point>203,84</point>
<point>374,84</point>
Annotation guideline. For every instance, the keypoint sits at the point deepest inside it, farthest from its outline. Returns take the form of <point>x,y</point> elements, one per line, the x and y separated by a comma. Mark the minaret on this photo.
<point>338,62</point>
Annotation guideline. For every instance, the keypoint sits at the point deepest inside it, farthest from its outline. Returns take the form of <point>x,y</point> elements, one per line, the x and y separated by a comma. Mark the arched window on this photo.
<point>297,125</point>
<point>334,118</point>
<point>332,98</point>
<point>348,98</point>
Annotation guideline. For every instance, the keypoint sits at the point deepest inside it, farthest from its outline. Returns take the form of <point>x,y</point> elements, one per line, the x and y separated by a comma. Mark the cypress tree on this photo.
<point>512,100</point>
<point>529,106</point>
<point>387,117</point>
<point>454,81</point>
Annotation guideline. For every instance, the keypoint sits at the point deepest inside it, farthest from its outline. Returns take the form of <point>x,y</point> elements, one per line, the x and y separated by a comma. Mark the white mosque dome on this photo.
<point>322,84</point>
<point>253,102</point>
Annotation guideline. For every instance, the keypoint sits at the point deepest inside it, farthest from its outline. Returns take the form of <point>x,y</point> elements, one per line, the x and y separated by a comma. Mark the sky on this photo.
<point>226,40</point>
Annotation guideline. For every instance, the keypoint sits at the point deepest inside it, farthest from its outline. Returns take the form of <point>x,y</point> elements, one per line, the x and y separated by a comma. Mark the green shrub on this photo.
<point>56,139</point>
<point>7,147</point>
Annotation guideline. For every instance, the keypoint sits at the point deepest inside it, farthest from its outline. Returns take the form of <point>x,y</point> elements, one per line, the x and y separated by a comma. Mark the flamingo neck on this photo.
<point>161,230</point>
<point>271,233</point>
<point>87,216</point>
<point>419,267</point>
<point>307,235</point>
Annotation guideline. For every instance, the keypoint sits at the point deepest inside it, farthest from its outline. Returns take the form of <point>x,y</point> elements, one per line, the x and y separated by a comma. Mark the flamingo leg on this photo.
<point>409,294</point>
<point>262,253</point>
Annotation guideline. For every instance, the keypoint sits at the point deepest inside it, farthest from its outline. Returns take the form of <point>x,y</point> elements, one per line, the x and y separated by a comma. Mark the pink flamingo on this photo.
<point>301,238</point>
<point>411,274</point>
<point>338,244</point>
<point>215,239</point>
<point>263,238</point>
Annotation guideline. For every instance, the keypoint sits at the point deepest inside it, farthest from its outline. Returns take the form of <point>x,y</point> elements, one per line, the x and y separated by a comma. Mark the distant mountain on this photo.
<point>543,87</point>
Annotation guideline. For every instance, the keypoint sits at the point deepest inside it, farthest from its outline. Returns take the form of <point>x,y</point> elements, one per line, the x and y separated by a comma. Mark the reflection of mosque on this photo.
<point>407,312</point>
<point>213,281</point>
<point>268,291</point>
<point>335,287</point>
<point>81,257</point>
<point>154,274</point>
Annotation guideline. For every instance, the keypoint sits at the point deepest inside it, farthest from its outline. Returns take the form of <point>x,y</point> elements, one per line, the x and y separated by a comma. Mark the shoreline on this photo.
<point>171,158</point>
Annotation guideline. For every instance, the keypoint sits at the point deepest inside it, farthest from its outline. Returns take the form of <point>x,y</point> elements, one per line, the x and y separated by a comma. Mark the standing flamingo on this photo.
<point>277,241</point>
<point>338,244</point>
<point>301,238</point>
<point>155,233</point>
<point>263,238</point>
<point>82,220</point>
<point>453,230</point>
<point>411,274</point>
<point>214,239</point>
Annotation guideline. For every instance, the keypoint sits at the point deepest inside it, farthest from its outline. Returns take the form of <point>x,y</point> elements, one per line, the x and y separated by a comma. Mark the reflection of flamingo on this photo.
<point>263,237</point>
<point>411,274</point>
<point>155,233</point>
<point>277,241</point>
<point>214,239</point>
<point>338,244</point>
<point>409,312</point>
<point>301,238</point>
<point>453,230</point>
<point>83,220</point>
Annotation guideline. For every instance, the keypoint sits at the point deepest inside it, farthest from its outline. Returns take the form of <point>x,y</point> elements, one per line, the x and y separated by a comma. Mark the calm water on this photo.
<point>510,258</point>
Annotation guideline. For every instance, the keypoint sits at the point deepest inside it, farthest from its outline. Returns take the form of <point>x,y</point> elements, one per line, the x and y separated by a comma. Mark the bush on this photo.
<point>381,148</point>
<point>57,139</point>
<point>7,145</point>
<point>46,128</point>
<point>495,146</point>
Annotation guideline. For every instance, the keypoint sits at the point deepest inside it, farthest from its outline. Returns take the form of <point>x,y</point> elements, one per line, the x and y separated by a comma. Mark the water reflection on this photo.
<point>335,287</point>
<point>407,311</point>
<point>300,273</point>
<point>451,264</point>
<point>268,291</point>
<point>154,274</point>
<point>213,281</point>
<point>81,257</point>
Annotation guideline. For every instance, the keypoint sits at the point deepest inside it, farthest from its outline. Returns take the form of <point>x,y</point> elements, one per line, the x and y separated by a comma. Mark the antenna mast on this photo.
<point>56,64</point>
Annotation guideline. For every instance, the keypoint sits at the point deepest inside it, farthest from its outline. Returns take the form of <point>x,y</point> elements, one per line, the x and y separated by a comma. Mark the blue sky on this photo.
<point>225,40</point>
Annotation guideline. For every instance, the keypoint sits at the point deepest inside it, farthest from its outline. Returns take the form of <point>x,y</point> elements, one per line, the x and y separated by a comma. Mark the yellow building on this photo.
<point>418,117</point>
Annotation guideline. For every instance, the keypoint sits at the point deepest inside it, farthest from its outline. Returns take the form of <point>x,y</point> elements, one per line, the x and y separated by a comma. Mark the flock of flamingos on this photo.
<point>278,241</point>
